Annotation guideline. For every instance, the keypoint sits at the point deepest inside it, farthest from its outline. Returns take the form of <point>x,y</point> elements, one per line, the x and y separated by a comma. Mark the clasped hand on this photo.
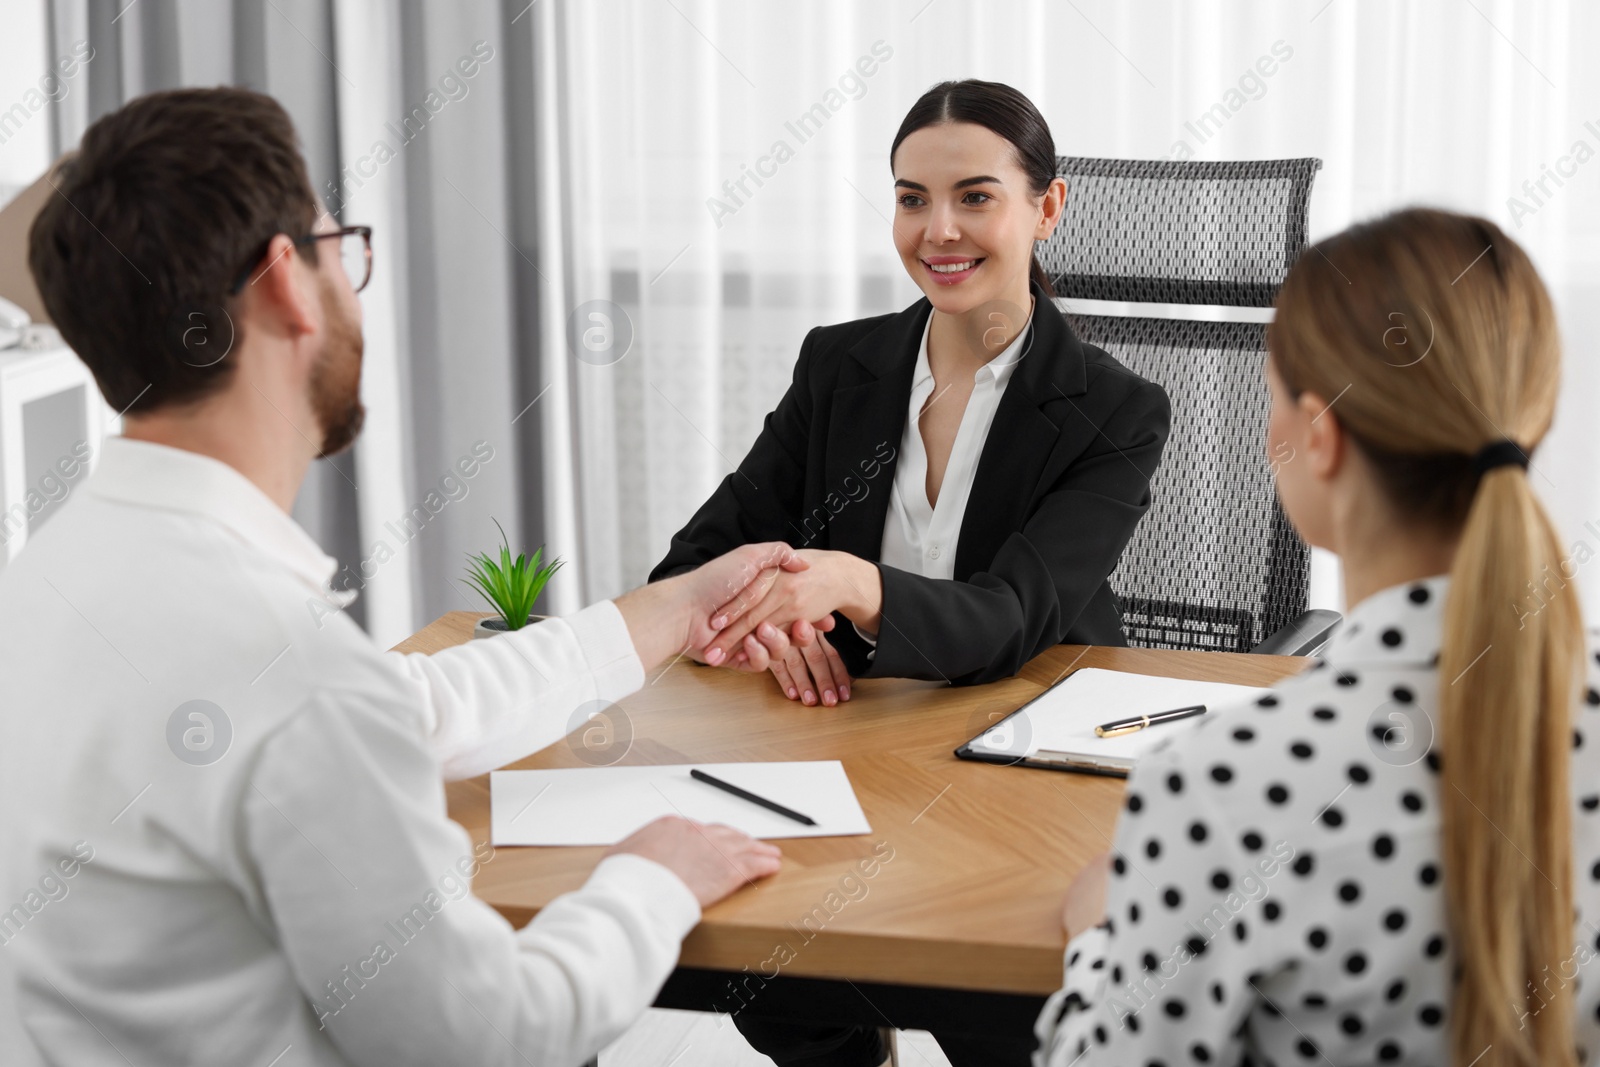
<point>777,622</point>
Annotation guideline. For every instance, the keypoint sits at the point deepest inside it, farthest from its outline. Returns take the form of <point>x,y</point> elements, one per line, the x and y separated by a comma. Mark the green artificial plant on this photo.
<point>510,586</point>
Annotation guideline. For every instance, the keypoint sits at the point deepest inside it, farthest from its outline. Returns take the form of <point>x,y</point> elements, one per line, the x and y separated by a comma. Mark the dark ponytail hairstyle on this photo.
<point>1002,110</point>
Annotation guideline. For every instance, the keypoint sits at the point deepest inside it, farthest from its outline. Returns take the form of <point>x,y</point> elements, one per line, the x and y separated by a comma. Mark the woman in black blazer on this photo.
<point>1064,471</point>
<point>978,390</point>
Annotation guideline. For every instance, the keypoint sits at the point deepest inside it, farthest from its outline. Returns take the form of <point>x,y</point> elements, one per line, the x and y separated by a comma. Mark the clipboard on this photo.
<point>1054,730</point>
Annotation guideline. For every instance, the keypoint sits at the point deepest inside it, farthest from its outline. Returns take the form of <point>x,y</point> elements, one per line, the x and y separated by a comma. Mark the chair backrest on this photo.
<point>1214,564</point>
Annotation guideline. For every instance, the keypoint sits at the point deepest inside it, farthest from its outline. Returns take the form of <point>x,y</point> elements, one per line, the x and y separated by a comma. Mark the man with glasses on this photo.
<point>354,256</point>
<point>224,836</point>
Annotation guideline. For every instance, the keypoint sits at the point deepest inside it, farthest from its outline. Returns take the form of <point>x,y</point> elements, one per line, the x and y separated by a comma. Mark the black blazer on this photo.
<point>1063,478</point>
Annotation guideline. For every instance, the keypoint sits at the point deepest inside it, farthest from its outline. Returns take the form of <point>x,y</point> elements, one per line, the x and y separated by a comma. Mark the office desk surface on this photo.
<point>982,855</point>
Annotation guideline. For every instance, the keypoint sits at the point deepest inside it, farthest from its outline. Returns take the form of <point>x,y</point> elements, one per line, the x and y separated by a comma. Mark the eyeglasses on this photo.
<point>356,259</point>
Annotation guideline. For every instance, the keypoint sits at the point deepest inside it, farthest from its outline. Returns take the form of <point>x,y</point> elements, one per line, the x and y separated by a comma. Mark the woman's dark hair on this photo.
<point>1002,110</point>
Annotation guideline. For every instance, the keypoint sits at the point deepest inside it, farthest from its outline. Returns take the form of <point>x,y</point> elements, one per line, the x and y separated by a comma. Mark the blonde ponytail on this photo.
<point>1475,361</point>
<point>1505,802</point>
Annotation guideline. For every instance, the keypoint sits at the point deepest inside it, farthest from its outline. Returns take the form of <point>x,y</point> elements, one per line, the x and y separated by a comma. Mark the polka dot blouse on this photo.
<point>1276,889</point>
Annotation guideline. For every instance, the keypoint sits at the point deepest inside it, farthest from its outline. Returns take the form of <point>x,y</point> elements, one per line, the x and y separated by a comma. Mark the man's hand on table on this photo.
<point>746,609</point>
<point>670,618</point>
<point>712,860</point>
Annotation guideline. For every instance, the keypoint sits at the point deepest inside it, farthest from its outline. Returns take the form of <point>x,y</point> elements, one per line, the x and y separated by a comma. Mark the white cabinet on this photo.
<point>52,420</point>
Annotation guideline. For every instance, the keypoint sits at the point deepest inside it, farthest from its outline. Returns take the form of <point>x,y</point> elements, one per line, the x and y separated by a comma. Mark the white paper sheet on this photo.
<point>603,805</point>
<point>1064,718</point>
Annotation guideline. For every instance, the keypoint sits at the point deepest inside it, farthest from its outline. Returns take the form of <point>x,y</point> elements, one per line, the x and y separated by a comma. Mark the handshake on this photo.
<point>759,607</point>
<point>769,606</point>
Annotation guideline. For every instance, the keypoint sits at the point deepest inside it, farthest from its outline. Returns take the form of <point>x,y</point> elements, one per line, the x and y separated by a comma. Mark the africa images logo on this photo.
<point>199,732</point>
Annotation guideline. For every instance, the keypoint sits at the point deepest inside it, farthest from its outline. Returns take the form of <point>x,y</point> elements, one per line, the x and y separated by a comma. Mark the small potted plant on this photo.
<point>510,586</point>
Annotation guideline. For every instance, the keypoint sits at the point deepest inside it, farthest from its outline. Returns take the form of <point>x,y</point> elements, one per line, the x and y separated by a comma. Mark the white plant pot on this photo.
<point>493,625</point>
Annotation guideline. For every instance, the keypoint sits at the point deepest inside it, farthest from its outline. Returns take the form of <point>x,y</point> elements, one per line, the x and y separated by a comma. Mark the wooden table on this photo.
<point>979,856</point>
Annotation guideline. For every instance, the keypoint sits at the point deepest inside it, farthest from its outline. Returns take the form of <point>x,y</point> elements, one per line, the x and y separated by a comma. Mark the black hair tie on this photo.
<point>1499,454</point>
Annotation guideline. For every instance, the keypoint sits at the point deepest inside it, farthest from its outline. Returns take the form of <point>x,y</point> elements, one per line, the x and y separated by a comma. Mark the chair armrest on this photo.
<point>1303,636</point>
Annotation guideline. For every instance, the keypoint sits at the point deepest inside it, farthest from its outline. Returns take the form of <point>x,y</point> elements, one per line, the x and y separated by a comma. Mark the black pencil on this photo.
<point>702,776</point>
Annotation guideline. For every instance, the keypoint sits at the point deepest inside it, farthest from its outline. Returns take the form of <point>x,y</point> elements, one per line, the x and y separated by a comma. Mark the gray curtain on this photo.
<point>462,246</point>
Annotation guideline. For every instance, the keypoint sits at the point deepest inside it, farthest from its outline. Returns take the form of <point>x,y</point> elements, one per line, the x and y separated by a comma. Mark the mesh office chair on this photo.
<point>1214,565</point>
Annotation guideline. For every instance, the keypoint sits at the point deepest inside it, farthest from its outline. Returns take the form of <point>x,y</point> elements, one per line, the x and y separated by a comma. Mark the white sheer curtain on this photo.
<point>1449,102</point>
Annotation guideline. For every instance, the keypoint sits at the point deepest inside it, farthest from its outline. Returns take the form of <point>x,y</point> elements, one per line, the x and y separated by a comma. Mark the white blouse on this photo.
<point>1276,892</point>
<point>917,536</point>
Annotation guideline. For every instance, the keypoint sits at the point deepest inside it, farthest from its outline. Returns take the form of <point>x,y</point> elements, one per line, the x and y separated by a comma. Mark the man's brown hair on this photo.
<point>166,204</point>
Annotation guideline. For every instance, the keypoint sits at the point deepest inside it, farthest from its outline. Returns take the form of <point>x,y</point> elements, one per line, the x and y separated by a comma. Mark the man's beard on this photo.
<point>336,381</point>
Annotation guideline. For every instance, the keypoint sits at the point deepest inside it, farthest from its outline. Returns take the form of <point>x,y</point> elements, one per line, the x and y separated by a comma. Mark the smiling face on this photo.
<point>966,216</point>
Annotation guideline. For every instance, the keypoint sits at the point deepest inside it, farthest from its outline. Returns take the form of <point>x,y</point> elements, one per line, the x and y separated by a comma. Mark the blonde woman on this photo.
<point>1395,857</point>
